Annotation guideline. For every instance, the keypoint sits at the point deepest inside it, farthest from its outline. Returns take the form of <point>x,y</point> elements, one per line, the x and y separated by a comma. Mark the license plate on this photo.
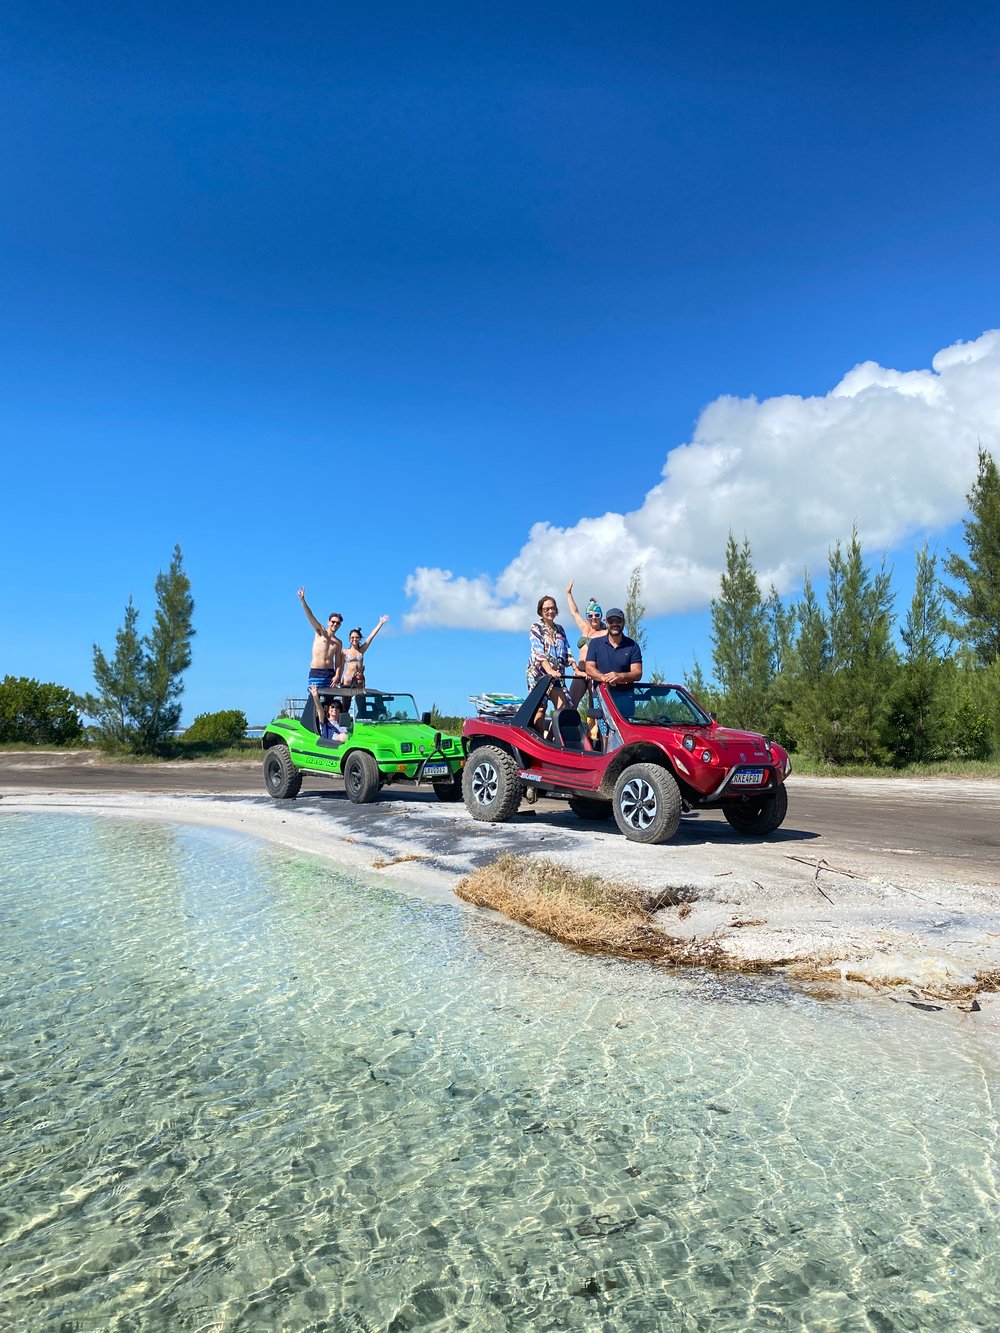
<point>748,777</point>
<point>436,770</point>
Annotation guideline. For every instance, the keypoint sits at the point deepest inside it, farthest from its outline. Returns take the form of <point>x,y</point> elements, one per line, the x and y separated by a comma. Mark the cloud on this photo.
<point>894,451</point>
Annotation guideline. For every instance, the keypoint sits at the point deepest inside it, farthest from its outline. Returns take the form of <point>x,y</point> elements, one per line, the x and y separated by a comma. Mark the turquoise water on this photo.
<point>243,1090</point>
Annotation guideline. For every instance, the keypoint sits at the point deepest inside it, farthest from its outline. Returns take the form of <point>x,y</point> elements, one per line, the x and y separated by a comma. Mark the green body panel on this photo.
<point>384,741</point>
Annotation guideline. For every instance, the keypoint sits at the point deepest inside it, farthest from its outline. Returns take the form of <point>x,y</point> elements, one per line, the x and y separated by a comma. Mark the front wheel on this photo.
<point>490,785</point>
<point>755,819</point>
<point>647,803</point>
<point>450,789</point>
<point>361,777</point>
<point>281,778</point>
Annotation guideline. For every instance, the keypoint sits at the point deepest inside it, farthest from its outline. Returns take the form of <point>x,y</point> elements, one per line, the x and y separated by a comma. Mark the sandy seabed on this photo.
<point>872,922</point>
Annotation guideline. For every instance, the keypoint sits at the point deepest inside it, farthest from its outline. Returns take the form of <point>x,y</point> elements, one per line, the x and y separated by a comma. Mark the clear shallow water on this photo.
<point>242,1090</point>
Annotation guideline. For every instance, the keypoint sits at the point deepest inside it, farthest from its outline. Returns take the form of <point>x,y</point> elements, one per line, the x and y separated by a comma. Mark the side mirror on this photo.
<point>425,718</point>
<point>713,717</point>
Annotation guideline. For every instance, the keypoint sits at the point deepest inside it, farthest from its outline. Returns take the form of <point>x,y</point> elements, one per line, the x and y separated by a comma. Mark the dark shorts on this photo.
<point>321,677</point>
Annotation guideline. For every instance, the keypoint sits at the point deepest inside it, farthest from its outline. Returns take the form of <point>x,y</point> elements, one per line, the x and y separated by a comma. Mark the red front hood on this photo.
<point>742,742</point>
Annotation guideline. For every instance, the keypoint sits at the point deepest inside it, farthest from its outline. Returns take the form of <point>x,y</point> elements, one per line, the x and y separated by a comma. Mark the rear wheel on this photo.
<point>586,807</point>
<point>450,789</point>
<point>281,778</point>
<point>361,777</point>
<point>490,785</point>
<point>755,819</point>
<point>647,803</point>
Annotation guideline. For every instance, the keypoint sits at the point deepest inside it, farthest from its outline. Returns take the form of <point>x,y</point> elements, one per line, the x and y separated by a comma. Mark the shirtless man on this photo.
<point>327,650</point>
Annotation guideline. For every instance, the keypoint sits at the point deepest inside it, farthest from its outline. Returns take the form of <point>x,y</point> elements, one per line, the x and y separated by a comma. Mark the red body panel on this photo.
<point>741,763</point>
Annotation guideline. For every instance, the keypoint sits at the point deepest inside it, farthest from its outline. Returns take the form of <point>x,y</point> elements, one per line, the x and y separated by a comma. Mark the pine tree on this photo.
<point>862,654</point>
<point>741,642</point>
<point>169,653</point>
<point>696,685</point>
<point>118,703</point>
<point>918,720</point>
<point>137,701</point>
<point>808,675</point>
<point>635,610</point>
<point>978,606</point>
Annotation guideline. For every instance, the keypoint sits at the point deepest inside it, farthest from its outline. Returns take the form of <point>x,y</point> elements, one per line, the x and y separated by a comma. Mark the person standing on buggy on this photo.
<point>549,656</point>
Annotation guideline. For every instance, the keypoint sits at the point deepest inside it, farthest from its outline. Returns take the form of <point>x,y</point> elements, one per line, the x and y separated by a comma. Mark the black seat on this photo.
<point>567,729</point>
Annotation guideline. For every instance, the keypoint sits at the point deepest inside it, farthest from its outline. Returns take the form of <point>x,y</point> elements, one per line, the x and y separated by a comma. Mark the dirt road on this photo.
<point>945,829</point>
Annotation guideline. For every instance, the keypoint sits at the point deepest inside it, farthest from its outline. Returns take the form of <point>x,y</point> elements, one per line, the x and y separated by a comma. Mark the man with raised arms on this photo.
<point>327,649</point>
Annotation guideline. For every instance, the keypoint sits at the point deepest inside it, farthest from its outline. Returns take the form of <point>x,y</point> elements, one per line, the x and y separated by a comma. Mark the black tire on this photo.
<point>586,807</point>
<point>450,789</point>
<point>647,803</point>
<point>361,777</point>
<point>281,778</point>
<point>755,819</point>
<point>490,785</point>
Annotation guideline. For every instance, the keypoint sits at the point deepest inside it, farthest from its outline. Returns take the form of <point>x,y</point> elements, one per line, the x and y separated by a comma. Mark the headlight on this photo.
<point>406,747</point>
<point>688,742</point>
<point>707,756</point>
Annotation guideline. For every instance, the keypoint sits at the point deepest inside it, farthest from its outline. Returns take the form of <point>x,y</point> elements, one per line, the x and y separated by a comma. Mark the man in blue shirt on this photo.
<point>615,658</point>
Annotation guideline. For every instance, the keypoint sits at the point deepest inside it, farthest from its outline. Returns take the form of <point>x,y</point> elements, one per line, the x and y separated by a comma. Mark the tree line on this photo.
<point>829,677</point>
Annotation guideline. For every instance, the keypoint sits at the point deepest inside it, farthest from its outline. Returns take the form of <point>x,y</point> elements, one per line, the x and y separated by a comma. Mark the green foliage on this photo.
<point>977,601</point>
<point>696,685</point>
<point>227,727</point>
<point>975,723</point>
<point>845,663</point>
<point>444,722</point>
<point>635,610</point>
<point>37,714</point>
<point>917,721</point>
<point>741,643</point>
<point>137,704</point>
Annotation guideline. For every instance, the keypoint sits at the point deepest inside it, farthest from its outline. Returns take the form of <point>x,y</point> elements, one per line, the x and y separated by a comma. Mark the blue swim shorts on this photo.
<point>321,677</point>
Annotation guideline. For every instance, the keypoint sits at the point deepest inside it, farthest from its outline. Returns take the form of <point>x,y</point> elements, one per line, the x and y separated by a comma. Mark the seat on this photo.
<point>567,729</point>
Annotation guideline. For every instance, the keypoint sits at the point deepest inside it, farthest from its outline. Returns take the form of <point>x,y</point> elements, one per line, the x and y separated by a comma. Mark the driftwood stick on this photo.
<point>824,865</point>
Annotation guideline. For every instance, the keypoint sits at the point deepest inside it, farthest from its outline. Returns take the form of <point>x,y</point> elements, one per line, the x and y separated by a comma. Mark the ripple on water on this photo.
<point>245,1090</point>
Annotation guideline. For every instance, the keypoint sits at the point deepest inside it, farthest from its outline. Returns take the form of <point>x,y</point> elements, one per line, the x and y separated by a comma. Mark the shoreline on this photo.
<point>868,926</point>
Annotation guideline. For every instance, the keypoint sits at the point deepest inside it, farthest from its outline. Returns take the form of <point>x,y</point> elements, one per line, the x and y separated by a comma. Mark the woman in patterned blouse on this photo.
<point>550,656</point>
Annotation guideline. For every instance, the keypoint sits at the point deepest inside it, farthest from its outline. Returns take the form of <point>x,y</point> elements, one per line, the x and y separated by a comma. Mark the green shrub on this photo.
<point>37,714</point>
<point>224,728</point>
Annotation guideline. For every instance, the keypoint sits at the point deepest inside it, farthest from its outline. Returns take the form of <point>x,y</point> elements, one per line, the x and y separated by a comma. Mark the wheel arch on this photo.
<point>641,752</point>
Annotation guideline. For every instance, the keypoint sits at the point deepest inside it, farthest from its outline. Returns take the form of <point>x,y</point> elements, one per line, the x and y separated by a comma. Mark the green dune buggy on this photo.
<point>387,741</point>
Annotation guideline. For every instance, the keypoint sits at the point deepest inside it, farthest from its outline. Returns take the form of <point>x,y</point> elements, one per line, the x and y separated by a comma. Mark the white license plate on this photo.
<point>436,770</point>
<point>748,777</point>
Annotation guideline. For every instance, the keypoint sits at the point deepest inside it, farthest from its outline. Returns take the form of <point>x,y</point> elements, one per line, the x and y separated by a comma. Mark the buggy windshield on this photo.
<point>385,708</point>
<point>663,705</point>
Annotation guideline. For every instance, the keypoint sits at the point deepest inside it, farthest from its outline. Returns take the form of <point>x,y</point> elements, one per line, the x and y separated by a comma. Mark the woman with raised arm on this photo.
<point>353,670</point>
<point>591,628</point>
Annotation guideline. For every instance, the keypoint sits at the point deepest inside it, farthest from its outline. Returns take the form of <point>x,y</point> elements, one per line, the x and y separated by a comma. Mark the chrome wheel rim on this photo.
<point>485,783</point>
<point>637,803</point>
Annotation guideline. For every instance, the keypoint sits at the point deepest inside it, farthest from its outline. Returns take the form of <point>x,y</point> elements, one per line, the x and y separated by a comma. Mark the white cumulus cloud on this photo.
<point>893,451</point>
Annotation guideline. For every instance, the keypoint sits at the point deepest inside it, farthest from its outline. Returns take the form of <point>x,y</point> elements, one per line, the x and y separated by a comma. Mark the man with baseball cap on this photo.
<point>615,658</point>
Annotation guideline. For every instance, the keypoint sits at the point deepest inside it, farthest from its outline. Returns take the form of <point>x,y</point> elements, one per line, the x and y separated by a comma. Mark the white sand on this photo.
<point>883,922</point>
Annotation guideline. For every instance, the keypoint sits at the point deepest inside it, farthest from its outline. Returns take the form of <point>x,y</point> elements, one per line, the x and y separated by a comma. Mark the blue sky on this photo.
<point>338,294</point>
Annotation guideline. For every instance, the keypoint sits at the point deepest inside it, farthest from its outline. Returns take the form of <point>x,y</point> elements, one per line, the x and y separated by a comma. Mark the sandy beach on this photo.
<point>858,916</point>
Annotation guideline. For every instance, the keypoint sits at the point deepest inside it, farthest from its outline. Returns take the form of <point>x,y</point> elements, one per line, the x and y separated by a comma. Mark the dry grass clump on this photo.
<point>381,862</point>
<point>589,913</point>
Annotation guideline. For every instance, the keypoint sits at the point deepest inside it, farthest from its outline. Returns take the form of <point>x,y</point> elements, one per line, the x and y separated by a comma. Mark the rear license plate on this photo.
<point>436,770</point>
<point>748,777</point>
